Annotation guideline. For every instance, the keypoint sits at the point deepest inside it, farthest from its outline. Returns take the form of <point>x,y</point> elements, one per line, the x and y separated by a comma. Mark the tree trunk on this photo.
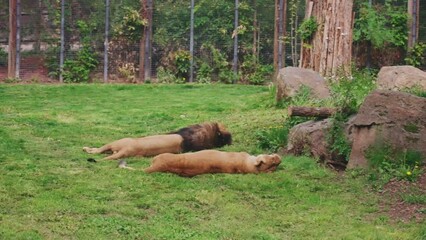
<point>311,111</point>
<point>330,50</point>
<point>413,24</point>
<point>11,70</point>
<point>279,33</point>
<point>145,43</point>
<point>255,29</point>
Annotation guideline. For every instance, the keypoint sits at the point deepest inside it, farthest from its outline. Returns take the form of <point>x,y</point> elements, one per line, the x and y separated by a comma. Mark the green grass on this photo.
<point>49,191</point>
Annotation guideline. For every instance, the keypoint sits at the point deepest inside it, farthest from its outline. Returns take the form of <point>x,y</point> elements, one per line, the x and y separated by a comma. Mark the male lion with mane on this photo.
<point>192,138</point>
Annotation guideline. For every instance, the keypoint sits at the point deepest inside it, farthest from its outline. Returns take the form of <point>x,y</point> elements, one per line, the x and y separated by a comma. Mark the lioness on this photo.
<point>192,138</point>
<point>211,161</point>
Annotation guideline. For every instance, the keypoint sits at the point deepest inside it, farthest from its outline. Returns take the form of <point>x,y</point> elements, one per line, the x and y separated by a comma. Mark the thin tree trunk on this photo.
<point>145,43</point>
<point>255,28</point>
<point>18,38</point>
<point>11,70</point>
<point>413,24</point>
<point>235,61</point>
<point>276,18</point>
<point>191,43</point>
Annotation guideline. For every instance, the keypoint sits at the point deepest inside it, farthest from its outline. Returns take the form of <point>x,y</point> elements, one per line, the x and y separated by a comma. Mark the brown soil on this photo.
<point>33,70</point>
<point>392,199</point>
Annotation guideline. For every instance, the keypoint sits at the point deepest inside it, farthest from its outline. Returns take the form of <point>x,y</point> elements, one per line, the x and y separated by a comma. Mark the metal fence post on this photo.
<point>235,61</point>
<point>191,44</point>
<point>106,43</point>
<point>18,38</point>
<point>61,57</point>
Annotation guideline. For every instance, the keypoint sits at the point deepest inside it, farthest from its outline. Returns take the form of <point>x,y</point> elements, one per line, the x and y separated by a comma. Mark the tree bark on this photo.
<point>310,111</point>
<point>330,50</point>
<point>413,24</point>
<point>145,43</point>
<point>279,33</point>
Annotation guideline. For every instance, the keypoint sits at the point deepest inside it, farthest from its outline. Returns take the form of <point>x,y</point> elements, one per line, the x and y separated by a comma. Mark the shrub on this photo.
<point>78,70</point>
<point>307,29</point>
<point>416,55</point>
<point>3,57</point>
<point>255,73</point>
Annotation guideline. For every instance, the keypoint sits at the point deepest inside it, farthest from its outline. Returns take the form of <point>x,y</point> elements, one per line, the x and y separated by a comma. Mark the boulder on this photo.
<point>398,78</point>
<point>311,139</point>
<point>290,79</point>
<point>393,118</point>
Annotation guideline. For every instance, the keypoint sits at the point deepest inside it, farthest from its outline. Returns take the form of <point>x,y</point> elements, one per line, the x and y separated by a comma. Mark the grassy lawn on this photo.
<point>49,191</point>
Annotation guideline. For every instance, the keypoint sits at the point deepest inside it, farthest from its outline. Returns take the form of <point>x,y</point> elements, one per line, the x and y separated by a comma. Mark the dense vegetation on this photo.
<point>378,28</point>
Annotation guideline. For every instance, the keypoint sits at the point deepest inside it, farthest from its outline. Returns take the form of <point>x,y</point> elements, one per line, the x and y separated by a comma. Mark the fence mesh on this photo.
<point>84,35</point>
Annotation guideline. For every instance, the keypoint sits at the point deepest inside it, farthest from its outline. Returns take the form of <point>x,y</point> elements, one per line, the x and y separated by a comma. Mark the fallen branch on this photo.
<point>322,112</point>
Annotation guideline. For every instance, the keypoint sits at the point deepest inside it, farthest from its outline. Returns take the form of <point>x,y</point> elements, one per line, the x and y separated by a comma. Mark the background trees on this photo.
<point>378,25</point>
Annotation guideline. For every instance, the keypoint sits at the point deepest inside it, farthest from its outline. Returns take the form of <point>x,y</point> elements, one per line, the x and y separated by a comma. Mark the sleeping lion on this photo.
<point>211,161</point>
<point>192,138</point>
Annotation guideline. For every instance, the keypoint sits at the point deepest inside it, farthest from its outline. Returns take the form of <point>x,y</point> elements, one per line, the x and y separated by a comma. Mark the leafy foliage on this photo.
<point>3,57</point>
<point>307,29</point>
<point>417,55</point>
<point>79,69</point>
<point>130,25</point>
<point>381,25</point>
<point>254,72</point>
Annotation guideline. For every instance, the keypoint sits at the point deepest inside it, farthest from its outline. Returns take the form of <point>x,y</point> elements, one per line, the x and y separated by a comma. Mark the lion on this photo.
<point>192,138</point>
<point>210,161</point>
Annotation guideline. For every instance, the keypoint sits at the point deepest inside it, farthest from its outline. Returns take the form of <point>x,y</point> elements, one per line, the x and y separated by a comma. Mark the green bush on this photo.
<point>79,69</point>
<point>204,73</point>
<point>307,29</point>
<point>416,55</point>
<point>255,73</point>
<point>3,57</point>
<point>349,93</point>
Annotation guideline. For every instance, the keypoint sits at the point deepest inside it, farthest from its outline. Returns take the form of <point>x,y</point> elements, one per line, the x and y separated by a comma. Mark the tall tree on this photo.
<point>327,36</point>
<point>279,33</point>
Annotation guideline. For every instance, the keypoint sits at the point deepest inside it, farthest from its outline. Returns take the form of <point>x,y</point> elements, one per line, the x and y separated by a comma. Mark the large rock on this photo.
<point>393,118</point>
<point>290,79</point>
<point>401,77</point>
<point>311,138</point>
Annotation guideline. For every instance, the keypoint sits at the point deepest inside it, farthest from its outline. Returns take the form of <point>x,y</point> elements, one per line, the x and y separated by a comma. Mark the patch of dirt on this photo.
<point>394,199</point>
<point>33,70</point>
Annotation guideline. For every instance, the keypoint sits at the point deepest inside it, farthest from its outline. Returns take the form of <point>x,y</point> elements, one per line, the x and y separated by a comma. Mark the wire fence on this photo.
<point>98,42</point>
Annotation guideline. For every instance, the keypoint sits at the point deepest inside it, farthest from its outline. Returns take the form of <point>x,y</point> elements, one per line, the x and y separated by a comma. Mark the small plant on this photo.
<point>349,93</point>
<point>130,25</point>
<point>127,71</point>
<point>386,163</point>
<point>273,138</point>
<point>3,57</point>
<point>11,80</point>
<point>204,73</point>
<point>78,70</point>
<point>307,29</point>
<point>336,137</point>
<point>165,76</point>
<point>182,63</point>
<point>416,55</point>
<point>254,72</point>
